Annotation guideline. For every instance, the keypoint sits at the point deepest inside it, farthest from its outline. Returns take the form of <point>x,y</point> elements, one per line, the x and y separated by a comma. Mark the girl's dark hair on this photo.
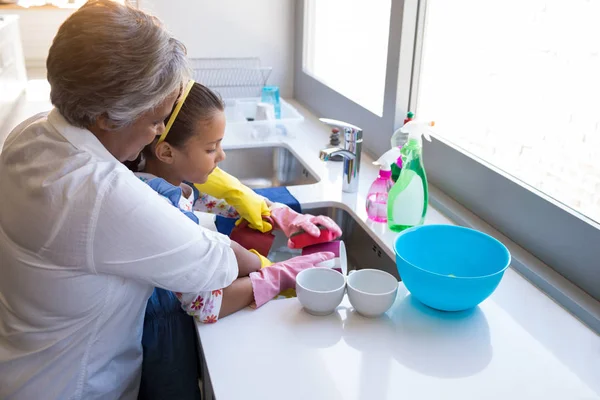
<point>200,106</point>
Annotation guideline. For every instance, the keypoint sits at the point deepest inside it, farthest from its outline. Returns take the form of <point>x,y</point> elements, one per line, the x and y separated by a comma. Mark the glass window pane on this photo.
<point>346,45</point>
<point>517,83</point>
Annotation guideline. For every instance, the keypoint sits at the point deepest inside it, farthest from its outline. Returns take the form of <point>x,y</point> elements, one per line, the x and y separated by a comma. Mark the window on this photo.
<point>347,48</point>
<point>520,90</point>
<point>514,88</point>
<point>517,106</point>
<point>351,56</point>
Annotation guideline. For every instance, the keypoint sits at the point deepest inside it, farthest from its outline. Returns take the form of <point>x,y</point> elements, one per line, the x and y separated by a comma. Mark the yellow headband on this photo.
<point>176,110</point>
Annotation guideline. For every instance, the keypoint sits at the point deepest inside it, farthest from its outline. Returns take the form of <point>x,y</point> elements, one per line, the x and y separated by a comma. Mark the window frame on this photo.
<point>561,238</point>
<point>326,102</point>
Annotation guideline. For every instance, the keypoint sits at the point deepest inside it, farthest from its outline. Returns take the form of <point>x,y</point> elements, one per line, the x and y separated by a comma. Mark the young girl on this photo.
<point>189,150</point>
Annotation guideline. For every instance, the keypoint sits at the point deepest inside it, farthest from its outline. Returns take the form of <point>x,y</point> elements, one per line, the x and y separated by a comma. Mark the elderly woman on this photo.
<point>83,242</point>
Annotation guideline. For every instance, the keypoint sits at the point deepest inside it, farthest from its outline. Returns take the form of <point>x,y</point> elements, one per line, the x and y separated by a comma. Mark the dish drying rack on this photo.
<point>240,81</point>
<point>231,77</point>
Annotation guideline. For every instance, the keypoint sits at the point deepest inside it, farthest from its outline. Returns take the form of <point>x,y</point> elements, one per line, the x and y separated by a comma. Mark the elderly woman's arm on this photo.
<point>247,262</point>
<point>138,236</point>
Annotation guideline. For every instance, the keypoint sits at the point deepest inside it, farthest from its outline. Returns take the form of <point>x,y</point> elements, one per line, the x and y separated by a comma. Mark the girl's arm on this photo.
<point>208,307</point>
<point>236,296</point>
<point>212,205</point>
<point>260,287</point>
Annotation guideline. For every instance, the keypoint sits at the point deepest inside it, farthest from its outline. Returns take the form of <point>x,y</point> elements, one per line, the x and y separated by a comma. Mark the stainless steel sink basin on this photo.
<point>263,167</point>
<point>362,250</point>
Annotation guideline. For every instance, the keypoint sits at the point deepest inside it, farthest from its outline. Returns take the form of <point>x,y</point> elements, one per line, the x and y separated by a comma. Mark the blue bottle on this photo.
<point>270,94</point>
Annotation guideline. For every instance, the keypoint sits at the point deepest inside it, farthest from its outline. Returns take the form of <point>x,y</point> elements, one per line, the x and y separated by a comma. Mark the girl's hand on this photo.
<point>249,205</point>
<point>269,282</point>
<point>290,222</point>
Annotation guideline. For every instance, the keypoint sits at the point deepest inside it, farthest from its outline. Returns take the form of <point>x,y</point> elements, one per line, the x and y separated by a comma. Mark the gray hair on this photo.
<point>113,60</point>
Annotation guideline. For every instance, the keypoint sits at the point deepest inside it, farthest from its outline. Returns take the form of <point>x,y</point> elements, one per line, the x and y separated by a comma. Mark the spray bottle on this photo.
<point>399,139</point>
<point>408,198</point>
<point>378,193</point>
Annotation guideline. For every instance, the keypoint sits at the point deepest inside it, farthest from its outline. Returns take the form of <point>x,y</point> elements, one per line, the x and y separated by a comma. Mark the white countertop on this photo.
<point>518,344</point>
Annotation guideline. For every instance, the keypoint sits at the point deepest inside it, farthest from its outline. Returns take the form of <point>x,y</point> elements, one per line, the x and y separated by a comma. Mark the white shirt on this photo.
<point>82,243</point>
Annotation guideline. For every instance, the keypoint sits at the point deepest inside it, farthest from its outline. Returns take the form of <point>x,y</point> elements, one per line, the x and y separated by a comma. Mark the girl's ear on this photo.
<point>164,152</point>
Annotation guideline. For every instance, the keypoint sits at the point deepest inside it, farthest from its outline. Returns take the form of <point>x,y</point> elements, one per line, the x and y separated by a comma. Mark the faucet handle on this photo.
<point>353,131</point>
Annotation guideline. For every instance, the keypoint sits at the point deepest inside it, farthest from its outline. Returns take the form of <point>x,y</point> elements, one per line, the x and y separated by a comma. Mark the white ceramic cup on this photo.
<point>320,290</point>
<point>371,292</point>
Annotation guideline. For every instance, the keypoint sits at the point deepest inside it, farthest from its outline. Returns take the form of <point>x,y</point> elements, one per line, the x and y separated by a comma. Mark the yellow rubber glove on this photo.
<point>265,262</point>
<point>251,206</point>
<point>288,294</point>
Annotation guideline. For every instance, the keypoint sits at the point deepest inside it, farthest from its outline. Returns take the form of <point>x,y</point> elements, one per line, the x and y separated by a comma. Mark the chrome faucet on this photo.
<point>351,153</point>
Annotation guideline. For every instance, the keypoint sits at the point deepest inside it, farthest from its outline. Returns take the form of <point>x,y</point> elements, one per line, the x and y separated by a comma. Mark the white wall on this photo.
<point>209,28</point>
<point>38,28</point>
<point>235,28</point>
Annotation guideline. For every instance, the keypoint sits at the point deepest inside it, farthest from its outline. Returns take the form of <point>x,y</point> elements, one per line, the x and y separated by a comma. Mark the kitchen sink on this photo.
<point>362,250</point>
<point>263,167</point>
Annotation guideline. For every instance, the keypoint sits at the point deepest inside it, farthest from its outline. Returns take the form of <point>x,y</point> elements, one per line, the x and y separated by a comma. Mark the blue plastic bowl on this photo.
<point>450,268</point>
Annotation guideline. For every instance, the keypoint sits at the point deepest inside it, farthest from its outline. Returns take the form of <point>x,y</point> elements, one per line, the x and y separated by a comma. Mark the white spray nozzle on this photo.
<point>388,158</point>
<point>416,129</point>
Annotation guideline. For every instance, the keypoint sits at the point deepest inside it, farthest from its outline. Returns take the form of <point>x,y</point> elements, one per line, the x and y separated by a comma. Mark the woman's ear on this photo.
<point>164,152</point>
<point>104,123</point>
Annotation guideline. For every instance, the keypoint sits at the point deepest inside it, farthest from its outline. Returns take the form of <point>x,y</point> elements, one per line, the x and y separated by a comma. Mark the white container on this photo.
<point>320,290</point>
<point>241,116</point>
<point>265,112</point>
<point>371,292</point>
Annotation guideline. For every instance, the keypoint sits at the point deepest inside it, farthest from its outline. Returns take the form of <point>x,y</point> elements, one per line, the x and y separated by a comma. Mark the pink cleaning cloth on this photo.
<point>302,239</point>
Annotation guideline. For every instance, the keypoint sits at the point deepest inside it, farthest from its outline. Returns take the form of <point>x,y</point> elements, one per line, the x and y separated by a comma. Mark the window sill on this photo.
<point>557,287</point>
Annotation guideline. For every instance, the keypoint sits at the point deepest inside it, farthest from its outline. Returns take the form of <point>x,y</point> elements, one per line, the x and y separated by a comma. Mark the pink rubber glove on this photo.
<point>290,222</point>
<point>269,282</point>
